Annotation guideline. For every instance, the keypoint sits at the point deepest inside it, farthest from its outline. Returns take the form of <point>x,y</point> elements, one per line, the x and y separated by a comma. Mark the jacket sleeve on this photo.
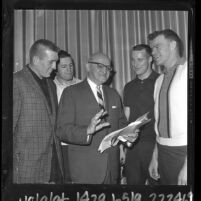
<point>17,103</point>
<point>67,129</point>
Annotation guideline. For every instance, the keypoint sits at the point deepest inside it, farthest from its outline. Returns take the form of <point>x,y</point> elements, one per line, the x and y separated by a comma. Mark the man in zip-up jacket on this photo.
<point>169,160</point>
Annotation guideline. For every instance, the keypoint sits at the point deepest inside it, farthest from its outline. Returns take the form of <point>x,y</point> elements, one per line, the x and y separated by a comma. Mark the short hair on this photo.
<point>63,54</point>
<point>171,35</point>
<point>38,48</point>
<point>142,47</point>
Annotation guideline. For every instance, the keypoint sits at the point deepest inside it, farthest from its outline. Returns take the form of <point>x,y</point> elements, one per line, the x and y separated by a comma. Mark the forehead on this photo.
<point>65,60</point>
<point>50,55</point>
<point>139,53</point>
<point>101,59</point>
<point>158,40</point>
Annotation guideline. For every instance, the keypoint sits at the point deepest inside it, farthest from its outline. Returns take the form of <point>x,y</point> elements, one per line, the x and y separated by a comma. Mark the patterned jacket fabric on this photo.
<point>33,130</point>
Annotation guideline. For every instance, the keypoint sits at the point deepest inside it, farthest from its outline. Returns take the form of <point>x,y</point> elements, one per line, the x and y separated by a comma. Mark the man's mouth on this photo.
<point>138,68</point>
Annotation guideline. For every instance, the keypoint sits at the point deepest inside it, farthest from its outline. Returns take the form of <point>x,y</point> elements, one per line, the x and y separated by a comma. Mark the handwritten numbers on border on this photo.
<point>170,197</point>
<point>85,197</point>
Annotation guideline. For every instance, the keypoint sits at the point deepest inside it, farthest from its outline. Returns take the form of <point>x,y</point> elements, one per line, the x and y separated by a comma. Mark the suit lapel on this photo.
<point>106,98</point>
<point>34,85</point>
<point>53,100</point>
<point>90,94</point>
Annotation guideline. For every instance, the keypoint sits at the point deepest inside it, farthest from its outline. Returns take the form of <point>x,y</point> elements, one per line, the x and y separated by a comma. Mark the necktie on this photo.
<point>100,98</point>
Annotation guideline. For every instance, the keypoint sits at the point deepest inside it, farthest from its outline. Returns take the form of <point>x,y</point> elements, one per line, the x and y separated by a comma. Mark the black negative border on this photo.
<point>10,191</point>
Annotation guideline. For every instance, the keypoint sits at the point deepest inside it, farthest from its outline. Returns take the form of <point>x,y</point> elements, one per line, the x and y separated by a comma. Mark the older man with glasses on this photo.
<point>88,111</point>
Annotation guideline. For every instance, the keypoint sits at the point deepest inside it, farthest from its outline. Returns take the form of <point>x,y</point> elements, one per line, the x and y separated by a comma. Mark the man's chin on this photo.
<point>104,80</point>
<point>47,75</point>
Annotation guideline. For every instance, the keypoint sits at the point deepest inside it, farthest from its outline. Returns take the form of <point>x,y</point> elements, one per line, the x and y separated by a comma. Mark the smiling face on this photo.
<point>98,73</point>
<point>46,63</point>
<point>161,50</point>
<point>141,61</point>
<point>65,69</point>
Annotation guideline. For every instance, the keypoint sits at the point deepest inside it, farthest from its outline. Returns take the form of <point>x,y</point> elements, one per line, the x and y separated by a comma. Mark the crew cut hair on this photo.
<point>171,35</point>
<point>38,48</point>
<point>142,47</point>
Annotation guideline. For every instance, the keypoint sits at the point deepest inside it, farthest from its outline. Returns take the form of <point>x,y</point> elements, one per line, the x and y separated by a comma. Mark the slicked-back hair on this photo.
<point>171,35</point>
<point>39,47</point>
<point>142,47</point>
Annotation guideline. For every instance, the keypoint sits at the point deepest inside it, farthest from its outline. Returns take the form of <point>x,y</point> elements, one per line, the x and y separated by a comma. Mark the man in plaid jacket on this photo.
<point>36,149</point>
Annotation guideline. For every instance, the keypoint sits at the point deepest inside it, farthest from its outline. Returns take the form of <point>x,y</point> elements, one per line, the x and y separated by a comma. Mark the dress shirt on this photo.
<point>94,89</point>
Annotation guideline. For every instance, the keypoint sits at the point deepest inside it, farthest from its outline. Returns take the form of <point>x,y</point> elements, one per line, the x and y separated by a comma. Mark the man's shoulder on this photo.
<point>21,74</point>
<point>130,84</point>
<point>76,87</point>
<point>79,84</point>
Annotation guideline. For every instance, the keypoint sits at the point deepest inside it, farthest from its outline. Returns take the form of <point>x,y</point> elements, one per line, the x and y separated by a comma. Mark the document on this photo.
<point>123,134</point>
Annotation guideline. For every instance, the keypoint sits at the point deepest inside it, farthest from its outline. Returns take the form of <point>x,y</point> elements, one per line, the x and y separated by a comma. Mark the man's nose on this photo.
<point>69,69</point>
<point>153,52</point>
<point>135,65</point>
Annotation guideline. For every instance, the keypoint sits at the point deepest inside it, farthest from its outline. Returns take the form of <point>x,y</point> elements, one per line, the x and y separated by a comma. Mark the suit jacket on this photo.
<point>76,109</point>
<point>33,130</point>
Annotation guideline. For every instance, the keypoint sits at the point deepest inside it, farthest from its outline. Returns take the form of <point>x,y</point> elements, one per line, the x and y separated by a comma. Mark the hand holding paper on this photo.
<point>128,134</point>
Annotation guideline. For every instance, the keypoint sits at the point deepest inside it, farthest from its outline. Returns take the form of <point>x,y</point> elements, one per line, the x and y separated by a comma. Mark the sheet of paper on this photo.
<point>113,138</point>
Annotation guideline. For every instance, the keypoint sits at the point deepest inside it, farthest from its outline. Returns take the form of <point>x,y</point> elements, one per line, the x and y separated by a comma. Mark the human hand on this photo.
<point>153,169</point>
<point>131,137</point>
<point>95,124</point>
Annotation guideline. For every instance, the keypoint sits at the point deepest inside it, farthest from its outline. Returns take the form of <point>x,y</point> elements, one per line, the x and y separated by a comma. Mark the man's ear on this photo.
<point>173,45</point>
<point>35,60</point>
<point>87,67</point>
<point>150,59</point>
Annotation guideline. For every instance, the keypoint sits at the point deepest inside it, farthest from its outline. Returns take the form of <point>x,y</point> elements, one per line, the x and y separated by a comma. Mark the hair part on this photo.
<point>172,36</point>
<point>39,47</point>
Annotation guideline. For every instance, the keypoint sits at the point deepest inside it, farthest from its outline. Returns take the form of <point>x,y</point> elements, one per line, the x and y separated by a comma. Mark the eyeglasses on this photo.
<point>102,66</point>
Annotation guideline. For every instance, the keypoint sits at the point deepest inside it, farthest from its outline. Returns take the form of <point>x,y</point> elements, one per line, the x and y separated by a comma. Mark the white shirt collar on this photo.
<point>94,89</point>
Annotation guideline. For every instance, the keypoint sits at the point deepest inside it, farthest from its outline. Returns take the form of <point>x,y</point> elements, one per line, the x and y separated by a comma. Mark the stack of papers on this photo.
<point>123,134</point>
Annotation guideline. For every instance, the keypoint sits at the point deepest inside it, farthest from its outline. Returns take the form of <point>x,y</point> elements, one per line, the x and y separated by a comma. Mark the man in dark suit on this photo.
<point>85,117</point>
<point>36,149</point>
